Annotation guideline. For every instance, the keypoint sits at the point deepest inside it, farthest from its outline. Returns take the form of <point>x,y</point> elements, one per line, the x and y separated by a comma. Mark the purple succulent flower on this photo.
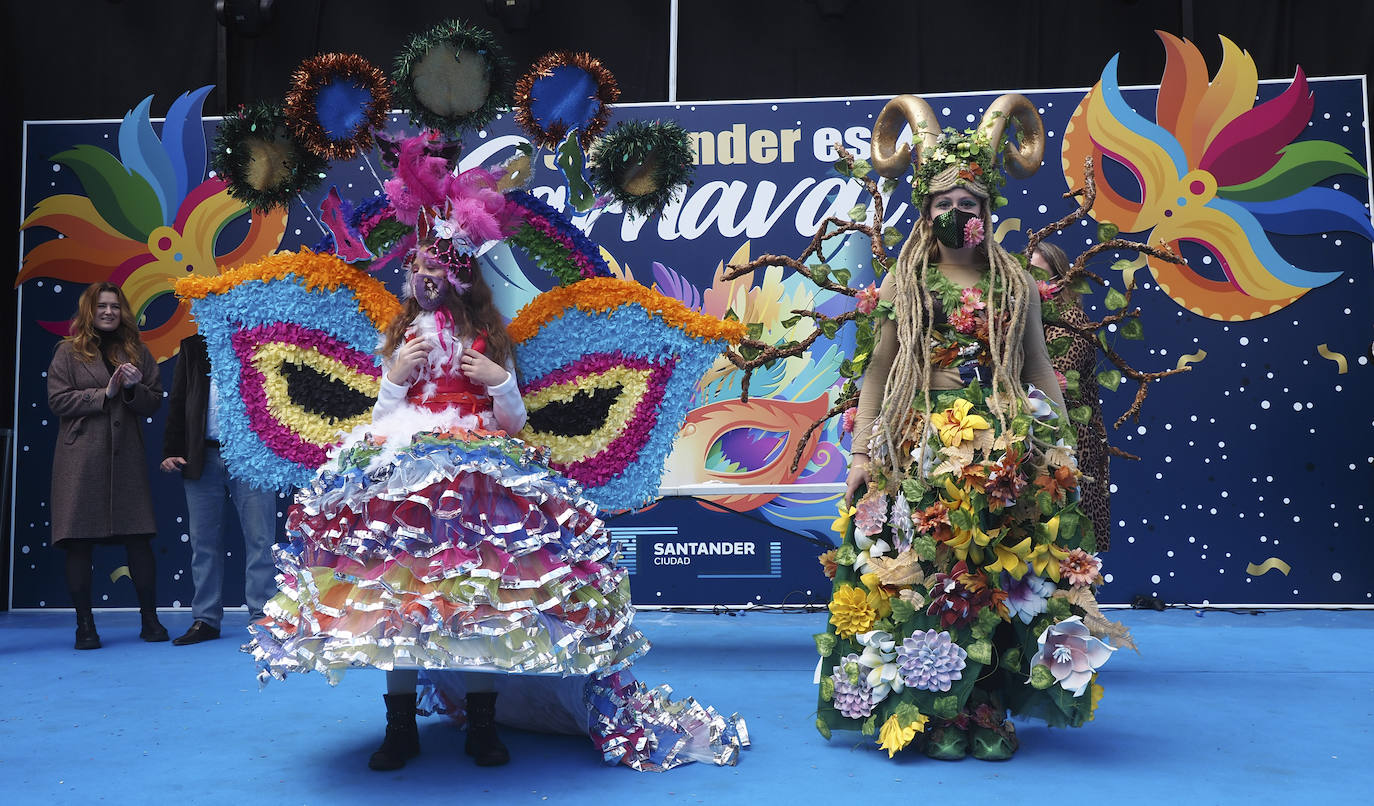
<point>931,661</point>
<point>853,700</point>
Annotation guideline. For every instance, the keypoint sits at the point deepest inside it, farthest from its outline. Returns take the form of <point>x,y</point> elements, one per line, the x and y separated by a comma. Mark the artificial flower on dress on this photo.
<point>931,661</point>
<point>1072,654</point>
<point>896,735</point>
<point>955,424</point>
<point>850,611</point>
<point>1080,567</point>
<point>1027,597</point>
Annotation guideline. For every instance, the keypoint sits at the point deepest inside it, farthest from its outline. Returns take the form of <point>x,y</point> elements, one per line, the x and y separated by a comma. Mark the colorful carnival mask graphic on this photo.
<point>292,337</point>
<point>610,367</point>
<point>147,219</point>
<point>1216,172</point>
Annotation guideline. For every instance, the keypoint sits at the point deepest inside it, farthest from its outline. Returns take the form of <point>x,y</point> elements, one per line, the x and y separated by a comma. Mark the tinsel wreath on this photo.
<point>335,102</point>
<point>261,162</point>
<point>440,90</point>
<point>643,165</point>
<point>564,91</point>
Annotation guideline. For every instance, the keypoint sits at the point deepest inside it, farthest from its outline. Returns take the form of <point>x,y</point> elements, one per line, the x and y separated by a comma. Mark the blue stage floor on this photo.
<point>1224,708</point>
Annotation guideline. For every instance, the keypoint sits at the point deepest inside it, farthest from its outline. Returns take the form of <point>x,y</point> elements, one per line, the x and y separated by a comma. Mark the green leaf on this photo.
<point>975,394</point>
<point>842,276</point>
<point>924,546</point>
<point>1122,264</point>
<point>730,315</point>
<point>1068,525</point>
<point>847,369</point>
<point>1300,166</point>
<point>858,212</point>
<point>791,321</point>
<point>1011,658</point>
<point>870,725</point>
<point>1049,309</point>
<point>1109,379</point>
<point>988,620</point>
<point>1115,300</point>
<point>829,327</point>
<point>1046,504</point>
<point>754,329</point>
<point>882,266</point>
<point>1071,379</point>
<point>1041,677</point>
<point>1106,232</point>
<point>820,272</point>
<point>1057,608</point>
<point>844,555</point>
<point>981,651</point>
<point>962,519</point>
<point>823,728</point>
<point>906,713</point>
<point>749,352</point>
<point>947,707</point>
<point>1081,286</point>
<point>124,199</point>
<point>901,609</point>
<point>913,488</point>
<point>888,186</point>
<point>1132,329</point>
<point>827,688</point>
<point>891,237</point>
<point>861,169</point>
<point>1080,414</point>
<point>571,161</point>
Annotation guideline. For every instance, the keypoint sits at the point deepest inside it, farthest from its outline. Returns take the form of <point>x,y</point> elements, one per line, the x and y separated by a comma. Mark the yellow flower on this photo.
<point>1011,559</point>
<point>1094,697</point>
<point>894,736</point>
<point>878,599</point>
<point>1045,558</point>
<point>841,524</point>
<point>955,424</point>
<point>850,611</point>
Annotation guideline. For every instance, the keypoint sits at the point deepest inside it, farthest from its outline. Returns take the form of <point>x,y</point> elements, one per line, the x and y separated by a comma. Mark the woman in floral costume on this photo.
<point>962,581</point>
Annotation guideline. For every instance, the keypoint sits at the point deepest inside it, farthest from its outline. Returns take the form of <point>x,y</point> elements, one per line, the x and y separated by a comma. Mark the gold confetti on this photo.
<point>1271,564</point>
<point>1007,225</point>
<point>1331,355</point>
<point>1190,358</point>
<point>121,571</point>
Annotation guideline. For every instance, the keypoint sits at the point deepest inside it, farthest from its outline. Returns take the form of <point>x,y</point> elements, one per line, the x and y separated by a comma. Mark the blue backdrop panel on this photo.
<point>1263,451</point>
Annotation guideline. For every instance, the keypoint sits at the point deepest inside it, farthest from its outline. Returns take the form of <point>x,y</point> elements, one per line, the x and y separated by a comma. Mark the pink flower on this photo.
<point>963,321</point>
<point>1080,567</point>
<point>871,515</point>
<point>868,299</point>
<point>1047,290</point>
<point>847,419</point>
<point>1063,381</point>
<point>972,299</point>
<point>973,232</point>
<point>1072,654</point>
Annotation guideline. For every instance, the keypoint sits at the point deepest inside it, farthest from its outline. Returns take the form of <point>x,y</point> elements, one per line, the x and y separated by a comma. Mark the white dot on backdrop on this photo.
<point>1107,578</point>
<point>1297,407</point>
<point>1244,340</point>
<point>1336,577</point>
<point>185,538</point>
<point>1154,578</point>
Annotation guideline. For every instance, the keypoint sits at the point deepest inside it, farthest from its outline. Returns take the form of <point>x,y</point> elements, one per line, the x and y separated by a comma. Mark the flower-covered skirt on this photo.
<point>463,551</point>
<point>969,592</point>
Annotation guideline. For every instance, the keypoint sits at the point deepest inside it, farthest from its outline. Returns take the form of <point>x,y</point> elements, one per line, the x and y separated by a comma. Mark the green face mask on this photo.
<point>951,229</point>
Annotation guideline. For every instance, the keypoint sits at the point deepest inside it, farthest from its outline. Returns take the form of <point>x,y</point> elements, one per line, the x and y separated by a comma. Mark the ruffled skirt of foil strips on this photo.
<point>469,554</point>
<point>630,724</point>
<point>459,552</point>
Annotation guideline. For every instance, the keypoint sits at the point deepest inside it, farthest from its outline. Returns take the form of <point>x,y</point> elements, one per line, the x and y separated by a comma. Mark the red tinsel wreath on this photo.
<point>550,136</point>
<point>302,115</point>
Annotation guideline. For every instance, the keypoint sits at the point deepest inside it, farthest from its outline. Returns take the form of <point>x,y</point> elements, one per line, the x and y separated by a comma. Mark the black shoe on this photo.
<point>402,741</point>
<point>86,636</point>
<point>483,744</point>
<point>200,631</point>
<point>152,631</point>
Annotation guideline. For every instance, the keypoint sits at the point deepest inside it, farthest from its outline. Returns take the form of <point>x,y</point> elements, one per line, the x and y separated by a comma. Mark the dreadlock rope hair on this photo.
<point>913,303</point>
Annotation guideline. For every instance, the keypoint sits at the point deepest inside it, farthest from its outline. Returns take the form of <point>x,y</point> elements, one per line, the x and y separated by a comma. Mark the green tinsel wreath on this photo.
<point>263,165</point>
<point>643,165</point>
<point>441,91</point>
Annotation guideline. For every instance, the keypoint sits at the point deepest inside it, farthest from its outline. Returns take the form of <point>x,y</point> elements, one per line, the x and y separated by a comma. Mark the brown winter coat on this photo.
<point>99,470</point>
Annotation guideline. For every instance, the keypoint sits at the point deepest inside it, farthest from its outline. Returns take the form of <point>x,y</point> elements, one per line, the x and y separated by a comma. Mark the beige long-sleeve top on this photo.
<point>1036,368</point>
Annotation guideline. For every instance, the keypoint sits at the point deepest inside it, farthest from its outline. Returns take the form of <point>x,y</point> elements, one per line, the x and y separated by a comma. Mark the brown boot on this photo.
<point>483,744</point>
<point>402,741</point>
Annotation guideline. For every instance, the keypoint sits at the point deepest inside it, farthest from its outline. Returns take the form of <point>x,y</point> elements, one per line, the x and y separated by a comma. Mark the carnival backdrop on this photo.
<point>1256,466</point>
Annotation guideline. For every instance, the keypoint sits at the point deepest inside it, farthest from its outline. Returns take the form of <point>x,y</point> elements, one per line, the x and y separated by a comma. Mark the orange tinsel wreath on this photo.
<point>302,112</point>
<point>550,135</point>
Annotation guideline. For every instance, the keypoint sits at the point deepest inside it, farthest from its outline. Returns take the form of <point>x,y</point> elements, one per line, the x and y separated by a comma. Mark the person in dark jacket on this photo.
<point>102,381</point>
<point>190,444</point>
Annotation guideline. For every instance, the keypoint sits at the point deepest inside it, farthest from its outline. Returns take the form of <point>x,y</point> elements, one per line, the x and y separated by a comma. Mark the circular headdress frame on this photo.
<point>451,77</point>
<point>335,102</point>
<point>263,165</point>
<point>643,165</point>
<point>564,91</point>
